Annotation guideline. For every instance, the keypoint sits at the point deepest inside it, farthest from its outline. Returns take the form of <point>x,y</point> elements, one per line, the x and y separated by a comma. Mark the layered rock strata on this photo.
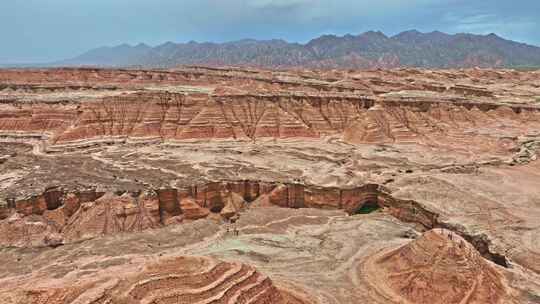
<point>55,218</point>
<point>73,216</point>
<point>454,149</point>
<point>175,117</point>
<point>172,280</point>
<point>472,109</point>
<point>438,267</point>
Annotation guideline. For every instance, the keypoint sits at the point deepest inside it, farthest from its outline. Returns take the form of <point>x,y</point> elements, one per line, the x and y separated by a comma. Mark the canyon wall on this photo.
<point>58,216</point>
<point>173,117</point>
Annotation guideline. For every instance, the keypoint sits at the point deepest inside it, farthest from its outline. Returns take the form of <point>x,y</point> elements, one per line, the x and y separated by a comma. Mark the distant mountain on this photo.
<point>367,50</point>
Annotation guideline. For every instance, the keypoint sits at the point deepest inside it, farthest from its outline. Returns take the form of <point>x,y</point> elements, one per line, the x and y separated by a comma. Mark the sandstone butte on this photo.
<point>230,185</point>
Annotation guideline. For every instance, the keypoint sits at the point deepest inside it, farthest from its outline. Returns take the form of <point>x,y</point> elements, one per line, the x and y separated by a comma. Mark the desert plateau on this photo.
<point>231,185</point>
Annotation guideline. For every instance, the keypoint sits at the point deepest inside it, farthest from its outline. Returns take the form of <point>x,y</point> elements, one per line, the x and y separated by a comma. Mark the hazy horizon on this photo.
<point>37,32</point>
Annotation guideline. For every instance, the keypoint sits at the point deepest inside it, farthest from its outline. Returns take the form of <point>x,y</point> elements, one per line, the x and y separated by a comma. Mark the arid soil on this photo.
<point>225,185</point>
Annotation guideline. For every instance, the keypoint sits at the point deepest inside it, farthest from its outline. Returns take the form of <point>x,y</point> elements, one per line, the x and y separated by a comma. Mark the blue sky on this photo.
<point>47,30</point>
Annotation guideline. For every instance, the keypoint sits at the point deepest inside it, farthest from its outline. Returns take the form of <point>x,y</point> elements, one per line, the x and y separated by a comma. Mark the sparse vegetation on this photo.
<point>368,208</point>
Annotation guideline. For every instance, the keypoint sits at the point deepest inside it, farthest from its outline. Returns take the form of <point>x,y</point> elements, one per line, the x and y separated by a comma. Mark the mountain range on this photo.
<point>367,50</point>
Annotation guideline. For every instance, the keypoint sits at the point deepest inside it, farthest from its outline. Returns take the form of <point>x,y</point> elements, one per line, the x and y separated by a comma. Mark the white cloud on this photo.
<point>510,26</point>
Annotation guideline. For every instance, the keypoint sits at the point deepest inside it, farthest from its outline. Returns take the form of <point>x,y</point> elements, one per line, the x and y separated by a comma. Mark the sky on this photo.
<point>33,31</point>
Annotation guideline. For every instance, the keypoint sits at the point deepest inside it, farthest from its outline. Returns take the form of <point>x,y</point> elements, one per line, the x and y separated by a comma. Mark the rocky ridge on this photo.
<point>438,267</point>
<point>172,280</point>
<point>366,50</point>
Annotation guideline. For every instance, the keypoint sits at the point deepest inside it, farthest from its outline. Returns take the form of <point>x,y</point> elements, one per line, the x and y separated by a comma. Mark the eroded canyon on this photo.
<point>227,185</point>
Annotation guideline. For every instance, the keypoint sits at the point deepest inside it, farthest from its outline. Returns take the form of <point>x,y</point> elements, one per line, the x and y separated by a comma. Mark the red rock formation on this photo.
<point>112,214</point>
<point>468,112</point>
<point>174,280</point>
<point>92,214</point>
<point>439,267</point>
<point>26,231</point>
<point>168,204</point>
<point>162,117</point>
<point>5,212</point>
<point>192,210</point>
<point>233,204</point>
<point>71,204</point>
<point>253,104</point>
